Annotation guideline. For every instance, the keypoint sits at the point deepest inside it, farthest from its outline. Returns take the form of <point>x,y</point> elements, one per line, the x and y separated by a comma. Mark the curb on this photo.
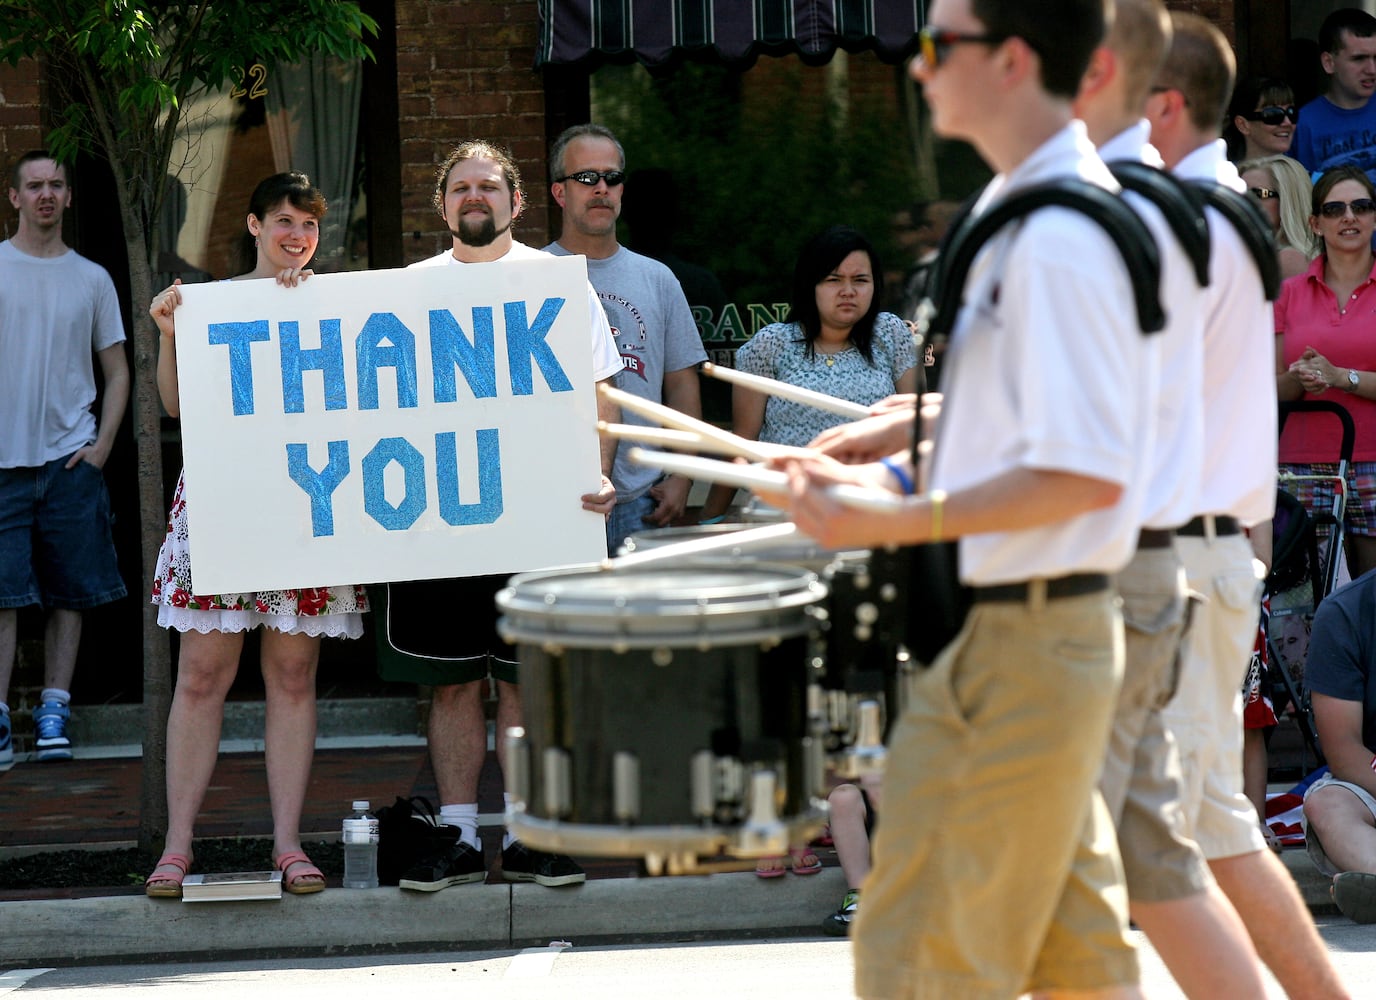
<point>369,921</point>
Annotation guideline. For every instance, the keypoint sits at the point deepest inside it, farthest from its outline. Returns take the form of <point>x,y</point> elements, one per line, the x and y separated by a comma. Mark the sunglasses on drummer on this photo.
<point>1273,114</point>
<point>1337,209</point>
<point>934,45</point>
<point>591,177</point>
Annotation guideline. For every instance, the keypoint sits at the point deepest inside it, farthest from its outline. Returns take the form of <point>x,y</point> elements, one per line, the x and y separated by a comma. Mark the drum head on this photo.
<point>797,551</point>
<point>698,605</point>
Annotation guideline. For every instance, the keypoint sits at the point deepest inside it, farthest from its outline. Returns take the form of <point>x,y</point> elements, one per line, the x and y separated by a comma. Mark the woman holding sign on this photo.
<point>284,223</point>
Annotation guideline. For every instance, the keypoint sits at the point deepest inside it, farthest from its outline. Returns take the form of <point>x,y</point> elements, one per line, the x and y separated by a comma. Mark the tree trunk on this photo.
<point>157,660</point>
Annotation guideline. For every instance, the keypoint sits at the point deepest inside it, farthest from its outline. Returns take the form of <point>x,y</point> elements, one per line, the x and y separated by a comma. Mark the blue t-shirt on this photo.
<point>1342,649</point>
<point>1328,136</point>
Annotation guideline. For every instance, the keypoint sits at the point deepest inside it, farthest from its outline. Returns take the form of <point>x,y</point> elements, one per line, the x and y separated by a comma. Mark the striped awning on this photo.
<point>734,31</point>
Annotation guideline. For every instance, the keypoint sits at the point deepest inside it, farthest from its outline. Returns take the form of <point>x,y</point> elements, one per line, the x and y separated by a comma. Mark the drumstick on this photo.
<point>667,415</point>
<point>773,387</point>
<point>752,477</point>
<point>685,440</point>
<point>745,538</point>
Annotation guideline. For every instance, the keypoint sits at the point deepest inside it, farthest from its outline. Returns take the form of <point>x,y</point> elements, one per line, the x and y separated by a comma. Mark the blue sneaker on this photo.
<point>50,728</point>
<point>6,742</point>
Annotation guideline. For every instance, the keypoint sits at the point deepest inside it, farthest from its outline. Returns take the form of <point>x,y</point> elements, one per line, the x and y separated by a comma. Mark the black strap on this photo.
<point>1246,217</point>
<point>1177,205</point>
<point>1129,234</point>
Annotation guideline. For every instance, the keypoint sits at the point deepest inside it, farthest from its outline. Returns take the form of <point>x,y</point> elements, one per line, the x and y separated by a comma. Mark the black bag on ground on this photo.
<point>409,831</point>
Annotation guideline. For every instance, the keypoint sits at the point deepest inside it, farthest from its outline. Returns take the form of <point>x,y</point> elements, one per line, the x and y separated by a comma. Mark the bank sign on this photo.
<point>388,425</point>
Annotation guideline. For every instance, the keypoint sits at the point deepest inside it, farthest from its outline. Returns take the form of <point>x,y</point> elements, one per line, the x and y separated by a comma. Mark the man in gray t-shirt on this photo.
<point>57,311</point>
<point>649,316</point>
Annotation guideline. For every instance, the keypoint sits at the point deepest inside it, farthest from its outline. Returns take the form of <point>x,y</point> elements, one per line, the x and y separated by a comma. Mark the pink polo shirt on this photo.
<point>1307,315</point>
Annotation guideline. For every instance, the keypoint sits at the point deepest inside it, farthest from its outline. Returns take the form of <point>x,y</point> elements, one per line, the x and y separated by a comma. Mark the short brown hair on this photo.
<point>1140,38</point>
<point>32,156</point>
<point>1201,65</point>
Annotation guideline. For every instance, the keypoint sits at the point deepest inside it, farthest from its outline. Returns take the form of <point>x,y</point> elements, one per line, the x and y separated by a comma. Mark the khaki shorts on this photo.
<point>1205,715</point>
<point>996,850</point>
<point>1141,783</point>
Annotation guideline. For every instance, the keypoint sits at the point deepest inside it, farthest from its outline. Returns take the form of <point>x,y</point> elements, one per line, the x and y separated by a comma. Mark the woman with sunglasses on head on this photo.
<point>1261,119</point>
<point>284,228</point>
<point>1326,349</point>
<point>1282,188</point>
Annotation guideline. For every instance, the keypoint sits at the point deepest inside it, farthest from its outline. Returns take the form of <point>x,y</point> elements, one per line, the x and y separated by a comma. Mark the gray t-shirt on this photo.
<point>54,313</point>
<point>655,333</point>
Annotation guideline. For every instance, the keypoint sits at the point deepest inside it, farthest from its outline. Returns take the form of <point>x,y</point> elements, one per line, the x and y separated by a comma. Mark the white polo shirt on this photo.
<point>1042,375</point>
<point>606,359</point>
<point>1173,360</point>
<point>1239,364</point>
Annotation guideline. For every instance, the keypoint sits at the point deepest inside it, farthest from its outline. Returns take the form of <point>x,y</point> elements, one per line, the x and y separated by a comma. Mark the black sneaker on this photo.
<point>521,864</point>
<point>454,866</point>
<point>838,923</point>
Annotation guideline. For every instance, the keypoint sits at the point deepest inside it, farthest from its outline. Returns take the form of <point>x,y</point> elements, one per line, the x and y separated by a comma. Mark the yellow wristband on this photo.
<point>937,498</point>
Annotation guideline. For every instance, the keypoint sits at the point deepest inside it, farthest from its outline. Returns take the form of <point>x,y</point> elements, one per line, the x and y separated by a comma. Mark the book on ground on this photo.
<point>232,885</point>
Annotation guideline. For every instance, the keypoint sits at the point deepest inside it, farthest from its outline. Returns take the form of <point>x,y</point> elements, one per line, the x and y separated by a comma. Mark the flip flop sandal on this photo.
<point>295,883</point>
<point>161,885</point>
<point>770,872</point>
<point>799,868</point>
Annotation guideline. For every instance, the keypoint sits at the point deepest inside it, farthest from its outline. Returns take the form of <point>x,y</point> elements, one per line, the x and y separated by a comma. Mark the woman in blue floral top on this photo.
<point>836,341</point>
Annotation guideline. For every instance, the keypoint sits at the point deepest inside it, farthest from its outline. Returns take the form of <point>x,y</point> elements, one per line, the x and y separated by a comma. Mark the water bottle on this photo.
<point>360,836</point>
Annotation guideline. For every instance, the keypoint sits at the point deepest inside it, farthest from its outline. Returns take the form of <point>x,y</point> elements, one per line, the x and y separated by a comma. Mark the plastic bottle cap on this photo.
<point>361,805</point>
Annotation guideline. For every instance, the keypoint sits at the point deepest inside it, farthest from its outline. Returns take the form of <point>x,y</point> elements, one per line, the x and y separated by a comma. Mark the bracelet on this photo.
<point>905,481</point>
<point>938,502</point>
<point>713,520</point>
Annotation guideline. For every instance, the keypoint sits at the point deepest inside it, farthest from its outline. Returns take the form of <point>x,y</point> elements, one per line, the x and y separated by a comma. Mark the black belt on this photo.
<point>1075,585</point>
<point>1155,538</point>
<point>1224,524</point>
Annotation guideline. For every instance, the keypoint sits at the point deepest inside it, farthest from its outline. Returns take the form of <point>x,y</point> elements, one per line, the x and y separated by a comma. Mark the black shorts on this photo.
<point>441,631</point>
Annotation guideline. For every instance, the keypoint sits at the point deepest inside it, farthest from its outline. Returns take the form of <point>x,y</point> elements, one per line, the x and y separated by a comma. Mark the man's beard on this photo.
<point>480,234</point>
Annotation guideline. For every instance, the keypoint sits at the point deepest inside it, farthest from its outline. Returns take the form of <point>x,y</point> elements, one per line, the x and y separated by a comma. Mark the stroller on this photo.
<point>1309,562</point>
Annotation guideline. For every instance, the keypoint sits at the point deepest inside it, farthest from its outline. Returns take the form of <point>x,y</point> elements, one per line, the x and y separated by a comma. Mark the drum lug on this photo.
<point>702,784</point>
<point>558,782</point>
<point>868,754</point>
<point>625,786</point>
<point>518,764</point>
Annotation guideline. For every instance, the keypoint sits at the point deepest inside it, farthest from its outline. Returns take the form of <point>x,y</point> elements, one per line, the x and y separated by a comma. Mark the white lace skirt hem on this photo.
<point>345,624</point>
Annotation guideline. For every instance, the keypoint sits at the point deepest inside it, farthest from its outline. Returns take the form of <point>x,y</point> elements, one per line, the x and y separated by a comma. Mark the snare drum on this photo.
<point>797,551</point>
<point>665,711</point>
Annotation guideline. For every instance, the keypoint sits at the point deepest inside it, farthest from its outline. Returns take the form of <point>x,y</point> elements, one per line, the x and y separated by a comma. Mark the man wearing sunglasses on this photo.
<point>1036,454</point>
<point>1339,128</point>
<point>646,308</point>
<point>1237,494</point>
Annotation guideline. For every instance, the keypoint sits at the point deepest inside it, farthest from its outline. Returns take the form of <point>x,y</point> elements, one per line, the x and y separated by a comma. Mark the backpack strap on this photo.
<point>1177,205</point>
<point>1128,233</point>
<point>1246,217</point>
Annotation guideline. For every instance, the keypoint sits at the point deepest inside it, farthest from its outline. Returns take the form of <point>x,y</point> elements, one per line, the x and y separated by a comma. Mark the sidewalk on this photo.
<point>90,802</point>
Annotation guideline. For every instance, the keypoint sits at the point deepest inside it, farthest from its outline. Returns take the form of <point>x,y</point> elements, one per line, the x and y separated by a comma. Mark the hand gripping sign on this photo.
<point>388,425</point>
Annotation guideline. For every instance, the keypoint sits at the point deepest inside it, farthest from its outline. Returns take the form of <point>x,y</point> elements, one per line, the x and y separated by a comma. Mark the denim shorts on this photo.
<point>56,547</point>
<point>627,519</point>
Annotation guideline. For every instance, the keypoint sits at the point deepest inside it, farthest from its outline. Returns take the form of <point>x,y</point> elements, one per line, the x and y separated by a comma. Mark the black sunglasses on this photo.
<point>1337,209</point>
<point>935,44</point>
<point>1273,114</point>
<point>1265,194</point>
<point>591,177</point>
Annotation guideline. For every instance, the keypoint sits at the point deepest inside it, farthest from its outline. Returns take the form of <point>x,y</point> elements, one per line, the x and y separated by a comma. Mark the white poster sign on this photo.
<point>388,425</point>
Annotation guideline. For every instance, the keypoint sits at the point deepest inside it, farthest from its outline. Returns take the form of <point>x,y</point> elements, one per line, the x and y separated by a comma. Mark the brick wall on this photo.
<point>465,71</point>
<point>21,114</point>
<point>1220,12</point>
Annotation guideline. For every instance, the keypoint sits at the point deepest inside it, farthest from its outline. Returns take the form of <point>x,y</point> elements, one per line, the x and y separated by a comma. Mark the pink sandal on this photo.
<point>167,886</point>
<point>796,855</point>
<point>304,880</point>
<point>772,867</point>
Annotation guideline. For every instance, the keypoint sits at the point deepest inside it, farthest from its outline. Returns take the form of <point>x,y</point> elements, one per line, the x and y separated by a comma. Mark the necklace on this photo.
<point>829,357</point>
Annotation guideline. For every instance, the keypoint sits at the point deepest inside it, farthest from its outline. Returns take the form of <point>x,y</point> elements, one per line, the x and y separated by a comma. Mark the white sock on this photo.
<point>464,815</point>
<point>507,838</point>
<point>55,694</point>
